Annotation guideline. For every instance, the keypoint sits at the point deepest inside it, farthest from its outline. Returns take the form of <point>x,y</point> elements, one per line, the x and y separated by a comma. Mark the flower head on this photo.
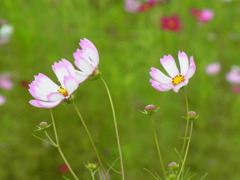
<point>177,79</point>
<point>5,81</point>
<point>86,59</point>
<point>47,93</point>
<point>203,15</point>
<point>2,100</point>
<point>5,33</point>
<point>213,68</point>
<point>171,23</point>
<point>234,75</point>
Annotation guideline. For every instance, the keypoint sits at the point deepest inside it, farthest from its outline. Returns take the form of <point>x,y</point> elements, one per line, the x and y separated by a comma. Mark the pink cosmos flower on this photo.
<point>213,68</point>
<point>171,23</point>
<point>86,59</point>
<point>177,79</point>
<point>203,15</point>
<point>234,75</point>
<point>2,100</point>
<point>47,93</point>
<point>5,81</point>
<point>135,6</point>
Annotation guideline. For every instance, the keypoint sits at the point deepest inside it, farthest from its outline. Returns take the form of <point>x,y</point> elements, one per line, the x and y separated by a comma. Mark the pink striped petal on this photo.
<point>42,104</point>
<point>169,65</point>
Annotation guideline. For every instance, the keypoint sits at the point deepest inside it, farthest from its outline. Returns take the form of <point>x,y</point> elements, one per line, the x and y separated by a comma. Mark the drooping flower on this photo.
<point>203,15</point>
<point>2,100</point>
<point>234,75</point>
<point>5,81</point>
<point>213,68</point>
<point>177,79</point>
<point>171,23</point>
<point>47,93</point>
<point>87,60</point>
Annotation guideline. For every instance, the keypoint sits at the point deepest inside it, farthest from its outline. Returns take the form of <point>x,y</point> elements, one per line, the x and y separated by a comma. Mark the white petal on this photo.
<point>70,84</point>
<point>183,61</point>
<point>42,104</point>
<point>161,86</point>
<point>169,65</point>
<point>191,69</point>
<point>81,76</point>
<point>159,76</point>
<point>177,87</point>
<point>85,67</point>
<point>56,96</point>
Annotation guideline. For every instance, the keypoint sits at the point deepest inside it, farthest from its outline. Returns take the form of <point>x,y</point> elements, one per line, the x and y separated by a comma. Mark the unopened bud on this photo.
<point>192,115</point>
<point>173,165</point>
<point>43,124</point>
<point>150,109</point>
<point>91,166</point>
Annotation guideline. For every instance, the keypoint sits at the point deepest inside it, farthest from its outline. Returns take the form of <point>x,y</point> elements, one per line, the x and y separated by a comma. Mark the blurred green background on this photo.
<point>129,45</point>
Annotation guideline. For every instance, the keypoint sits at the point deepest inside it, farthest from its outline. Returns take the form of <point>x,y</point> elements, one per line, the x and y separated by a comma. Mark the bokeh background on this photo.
<point>129,44</point>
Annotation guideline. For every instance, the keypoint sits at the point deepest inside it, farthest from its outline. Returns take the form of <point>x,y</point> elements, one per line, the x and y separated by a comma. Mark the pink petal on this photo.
<point>42,104</point>
<point>192,68</point>
<point>159,76</point>
<point>169,65</point>
<point>161,86</point>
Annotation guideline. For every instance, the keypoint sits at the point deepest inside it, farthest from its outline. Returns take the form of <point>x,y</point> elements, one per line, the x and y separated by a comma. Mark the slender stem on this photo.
<point>58,146</point>
<point>158,148</point>
<point>187,123</point>
<point>116,128</point>
<point>90,137</point>
<point>187,148</point>
<point>92,173</point>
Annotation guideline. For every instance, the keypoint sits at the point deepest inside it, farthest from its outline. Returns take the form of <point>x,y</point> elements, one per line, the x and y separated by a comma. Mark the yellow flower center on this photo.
<point>63,91</point>
<point>177,79</point>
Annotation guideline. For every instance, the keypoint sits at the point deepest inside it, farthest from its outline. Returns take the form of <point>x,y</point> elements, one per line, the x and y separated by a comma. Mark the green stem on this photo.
<point>186,153</point>
<point>158,148</point>
<point>116,128</point>
<point>92,174</point>
<point>187,123</point>
<point>90,137</point>
<point>58,146</point>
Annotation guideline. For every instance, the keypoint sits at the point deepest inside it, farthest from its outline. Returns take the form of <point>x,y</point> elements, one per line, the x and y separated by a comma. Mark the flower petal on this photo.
<point>83,64</point>
<point>55,96</point>
<point>183,61</point>
<point>81,76</point>
<point>191,69</point>
<point>177,87</point>
<point>161,86</point>
<point>70,84</point>
<point>169,65</point>
<point>43,104</point>
<point>159,76</point>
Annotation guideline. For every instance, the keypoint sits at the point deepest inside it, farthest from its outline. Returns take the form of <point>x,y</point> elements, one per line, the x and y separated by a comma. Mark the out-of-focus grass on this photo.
<point>128,44</point>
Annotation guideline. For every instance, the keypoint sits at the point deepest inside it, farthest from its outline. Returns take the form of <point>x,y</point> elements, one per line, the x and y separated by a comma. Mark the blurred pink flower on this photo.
<point>135,6</point>
<point>171,23</point>
<point>47,93</point>
<point>213,68</point>
<point>234,75</point>
<point>5,81</point>
<point>236,89</point>
<point>63,168</point>
<point>2,100</point>
<point>86,59</point>
<point>203,15</point>
<point>177,79</point>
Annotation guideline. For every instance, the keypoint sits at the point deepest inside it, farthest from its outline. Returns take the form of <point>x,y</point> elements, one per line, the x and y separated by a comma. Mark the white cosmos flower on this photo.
<point>176,79</point>
<point>47,93</point>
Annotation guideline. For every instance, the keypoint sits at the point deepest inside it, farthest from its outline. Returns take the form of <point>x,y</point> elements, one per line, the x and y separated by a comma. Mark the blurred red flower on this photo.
<point>24,84</point>
<point>171,23</point>
<point>63,168</point>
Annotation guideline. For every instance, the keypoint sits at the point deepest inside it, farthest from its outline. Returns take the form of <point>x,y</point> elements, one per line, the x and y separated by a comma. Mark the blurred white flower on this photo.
<point>2,100</point>
<point>5,33</point>
<point>234,75</point>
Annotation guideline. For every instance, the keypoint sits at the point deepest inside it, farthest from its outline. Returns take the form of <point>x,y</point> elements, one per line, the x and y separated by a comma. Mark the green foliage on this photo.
<point>129,44</point>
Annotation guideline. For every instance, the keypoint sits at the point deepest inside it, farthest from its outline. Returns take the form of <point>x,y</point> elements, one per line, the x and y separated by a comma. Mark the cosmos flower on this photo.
<point>5,81</point>
<point>2,100</point>
<point>177,79</point>
<point>171,23</point>
<point>86,59</point>
<point>234,75</point>
<point>135,6</point>
<point>203,15</point>
<point>213,68</point>
<point>6,31</point>
<point>47,93</point>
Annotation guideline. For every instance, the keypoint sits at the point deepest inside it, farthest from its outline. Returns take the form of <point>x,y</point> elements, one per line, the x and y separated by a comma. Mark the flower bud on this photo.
<point>171,177</point>
<point>173,165</point>
<point>150,109</point>
<point>91,166</point>
<point>42,125</point>
<point>192,115</point>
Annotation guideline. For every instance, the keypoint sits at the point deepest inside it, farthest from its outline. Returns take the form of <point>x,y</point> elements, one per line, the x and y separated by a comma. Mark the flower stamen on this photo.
<point>63,91</point>
<point>177,79</point>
